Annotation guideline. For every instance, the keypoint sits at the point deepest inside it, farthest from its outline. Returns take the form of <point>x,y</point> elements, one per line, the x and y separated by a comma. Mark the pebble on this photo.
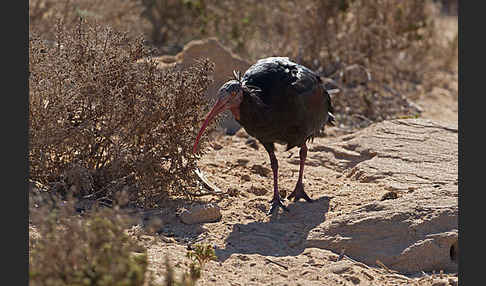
<point>339,267</point>
<point>391,195</point>
<point>260,170</point>
<point>252,142</point>
<point>440,282</point>
<point>216,146</point>
<point>246,177</point>
<point>201,214</point>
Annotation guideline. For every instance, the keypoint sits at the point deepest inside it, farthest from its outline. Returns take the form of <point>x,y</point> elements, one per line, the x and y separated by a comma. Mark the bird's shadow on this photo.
<point>283,234</point>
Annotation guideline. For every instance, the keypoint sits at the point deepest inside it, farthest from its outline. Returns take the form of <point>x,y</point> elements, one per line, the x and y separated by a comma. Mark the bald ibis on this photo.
<point>276,101</point>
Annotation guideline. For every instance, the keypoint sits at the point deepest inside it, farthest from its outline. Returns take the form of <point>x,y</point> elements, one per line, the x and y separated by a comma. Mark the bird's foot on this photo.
<point>299,193</point>
<point>276,203</point>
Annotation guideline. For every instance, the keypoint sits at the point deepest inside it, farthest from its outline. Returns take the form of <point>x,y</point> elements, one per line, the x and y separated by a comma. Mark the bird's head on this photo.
<point>229,96</point>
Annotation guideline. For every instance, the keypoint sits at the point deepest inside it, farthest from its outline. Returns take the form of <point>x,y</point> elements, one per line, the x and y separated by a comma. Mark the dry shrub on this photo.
<point>121,15</point>
<point>373,51</point>
<point>397,43</point>
<point>102,123</point>
<point>91,250</point>
<point>99,247</point>
<point>173,21</point>
<point>376,51</point>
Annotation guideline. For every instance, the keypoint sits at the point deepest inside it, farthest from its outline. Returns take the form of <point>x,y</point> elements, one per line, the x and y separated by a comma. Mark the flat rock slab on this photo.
<point>416,231</point>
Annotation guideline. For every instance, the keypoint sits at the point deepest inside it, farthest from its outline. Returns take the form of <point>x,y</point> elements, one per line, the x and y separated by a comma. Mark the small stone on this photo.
<point>242,162</point>
<point>391,195</point>
<point>167,239</point>
<point>339,267</point>
<point>260,170</point>
<point>243,257</point>
<point>201,214</point>
<point>453,281</point>
<point>440,282</point>
<point>241,134</point>
<point>252,142</point>
<point>233,192</point>
<point>216,146</point>
<point>353,279</point>
<point>257,191</point>
<point>246,177</point>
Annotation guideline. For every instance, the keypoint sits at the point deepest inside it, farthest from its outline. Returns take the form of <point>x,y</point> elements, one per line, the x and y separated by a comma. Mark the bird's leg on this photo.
<point>299,188</point>
<point>276,201</point>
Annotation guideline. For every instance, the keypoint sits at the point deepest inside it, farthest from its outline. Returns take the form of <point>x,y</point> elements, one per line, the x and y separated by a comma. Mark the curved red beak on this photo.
<point>219,107</point>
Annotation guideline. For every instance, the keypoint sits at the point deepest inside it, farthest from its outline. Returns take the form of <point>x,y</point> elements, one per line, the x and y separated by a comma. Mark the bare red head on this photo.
<point>230,96</point>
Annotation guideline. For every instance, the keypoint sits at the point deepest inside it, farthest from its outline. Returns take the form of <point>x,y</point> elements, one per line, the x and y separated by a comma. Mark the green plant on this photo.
<point>201,254</point>
<point>187,278</point>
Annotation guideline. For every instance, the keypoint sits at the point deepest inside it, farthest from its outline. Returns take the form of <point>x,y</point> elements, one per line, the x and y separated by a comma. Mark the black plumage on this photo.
<point>287,103</point>
<point>277,101</point>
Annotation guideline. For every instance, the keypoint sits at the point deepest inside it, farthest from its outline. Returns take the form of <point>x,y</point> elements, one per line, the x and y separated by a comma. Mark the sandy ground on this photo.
<point>244,172</point>
<point>279,259</point>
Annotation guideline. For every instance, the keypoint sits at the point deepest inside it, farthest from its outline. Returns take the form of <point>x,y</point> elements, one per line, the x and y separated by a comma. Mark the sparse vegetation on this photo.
<point>94,250</point>
<point>107,125</point>
<point>201,254</point>
<point>102,123</point>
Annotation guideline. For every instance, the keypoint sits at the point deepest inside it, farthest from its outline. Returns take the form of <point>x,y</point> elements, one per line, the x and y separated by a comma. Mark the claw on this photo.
<point>299,193</point>
<point>276,203</point>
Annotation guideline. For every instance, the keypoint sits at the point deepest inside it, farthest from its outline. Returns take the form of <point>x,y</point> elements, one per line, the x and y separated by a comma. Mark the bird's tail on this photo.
<point>330,118</point>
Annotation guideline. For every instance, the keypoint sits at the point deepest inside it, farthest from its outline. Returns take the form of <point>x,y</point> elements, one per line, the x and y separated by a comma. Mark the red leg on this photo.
<point>299,188</point>
<point>276,201</point>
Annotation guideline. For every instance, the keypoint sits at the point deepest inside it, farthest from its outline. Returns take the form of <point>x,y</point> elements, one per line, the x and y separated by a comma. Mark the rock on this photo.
<point>252,142</point>
<point>225,62</point>
<point>453,281</point>
<point>246,177</point>
<point>391,195</point>
<point>416,231</point>
<point>440,282</point>
<point>232,192</point>
<point>260,170</point>
<point>340,267</point>
<point>201,214</point>
<point>242,134</point>
<point>257,191</point>
<point>167,239</point>
<point>242,162</point>
<point>216,146</point>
